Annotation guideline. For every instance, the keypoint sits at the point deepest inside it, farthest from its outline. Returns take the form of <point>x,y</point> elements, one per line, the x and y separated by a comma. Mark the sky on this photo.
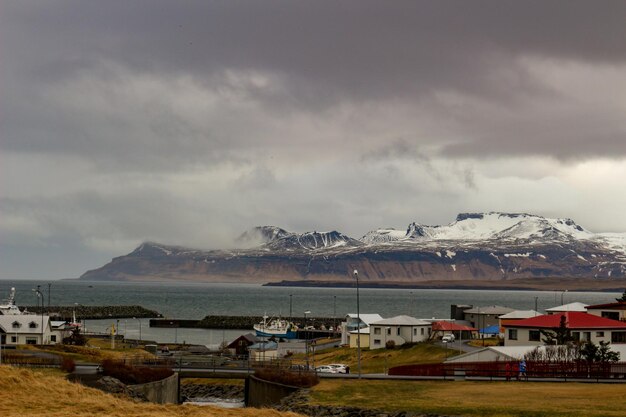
<point>187,123</point>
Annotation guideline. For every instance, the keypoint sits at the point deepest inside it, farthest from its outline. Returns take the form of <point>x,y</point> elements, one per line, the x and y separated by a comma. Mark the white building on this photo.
<point>400,329</point>
<point>352,323</point>
<point>26,329</point>
<point>580,307</point>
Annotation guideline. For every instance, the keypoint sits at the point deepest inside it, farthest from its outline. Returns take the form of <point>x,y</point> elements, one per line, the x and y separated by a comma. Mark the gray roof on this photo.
<point>493,310</point>
<point>24,320</point>
<point>521,314</point>
<point>366,317</point>
<point>401,320</point>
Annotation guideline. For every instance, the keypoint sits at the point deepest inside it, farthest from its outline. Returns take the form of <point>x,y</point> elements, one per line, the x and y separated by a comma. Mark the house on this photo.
<point>485,316</point>
<point>580,307</point>
<point>516,315</point>
<point>263,350</point>
<point>353,337</point>
<point>583,327</point>
<point>460,332</point>
<point>400,329</point>
<point>353,322</point>
<point>239,346</point>
<point>25,329</point>
<point>60,329</point>
<point>614,311</point>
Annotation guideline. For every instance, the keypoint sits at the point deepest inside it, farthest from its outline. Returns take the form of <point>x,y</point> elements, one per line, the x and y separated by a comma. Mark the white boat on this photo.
<point>9,308</point>
<point>280,328</point>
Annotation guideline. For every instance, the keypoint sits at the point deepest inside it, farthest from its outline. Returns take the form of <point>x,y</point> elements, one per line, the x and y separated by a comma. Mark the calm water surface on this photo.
<point>196,300</point>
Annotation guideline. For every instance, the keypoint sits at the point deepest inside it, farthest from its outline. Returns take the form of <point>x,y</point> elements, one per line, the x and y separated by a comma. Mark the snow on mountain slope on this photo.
<point>486,226</point>
<point>260,235</point>
<point>313,241</point>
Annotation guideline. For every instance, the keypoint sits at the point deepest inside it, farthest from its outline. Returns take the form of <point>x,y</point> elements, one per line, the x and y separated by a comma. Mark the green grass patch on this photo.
<point>494,399</point>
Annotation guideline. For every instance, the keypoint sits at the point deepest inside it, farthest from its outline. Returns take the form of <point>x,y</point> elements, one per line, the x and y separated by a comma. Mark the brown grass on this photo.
<point>96,351</point>
<point>28,393</point>
<point>494,399</point>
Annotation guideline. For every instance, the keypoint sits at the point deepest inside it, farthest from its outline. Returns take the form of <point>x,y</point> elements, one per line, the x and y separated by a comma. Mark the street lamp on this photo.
<point>40,296</point>
<point>306,340</point>
<point>358,324</point>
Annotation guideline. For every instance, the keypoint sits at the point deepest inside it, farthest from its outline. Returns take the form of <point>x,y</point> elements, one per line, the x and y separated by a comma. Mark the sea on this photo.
<point>190,300</point>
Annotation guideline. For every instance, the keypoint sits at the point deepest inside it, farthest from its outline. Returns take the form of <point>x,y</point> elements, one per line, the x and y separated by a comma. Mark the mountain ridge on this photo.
<point>492,246</point>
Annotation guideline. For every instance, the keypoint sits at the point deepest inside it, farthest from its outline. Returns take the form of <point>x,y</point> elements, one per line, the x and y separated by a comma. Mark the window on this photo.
<point>13,339</point>
<point>512,334</point>
<point>398,331</point>
<point>31,340</point>
<point>599,334</point>
<point>377,341</point>
<point>414,331</point>
<point>587,336</point>
<point>613,315</point>
<point>422,331</point>
<point>389,330</point>
<point>376,330</point>
<point>534,335</point>
<point>618,337</point>
<point>32,325</point>
<point>576,335</point>
<point>53,338</point>
<point>16,325</point>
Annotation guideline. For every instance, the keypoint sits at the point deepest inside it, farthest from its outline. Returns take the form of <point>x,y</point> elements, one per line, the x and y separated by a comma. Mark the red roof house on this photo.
<point>583,326</point>
<point>446,327</point>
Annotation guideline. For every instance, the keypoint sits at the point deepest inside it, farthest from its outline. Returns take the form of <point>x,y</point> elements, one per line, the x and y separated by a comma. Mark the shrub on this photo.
<point>303,379</point>
<point>129,374</point>
<point>68,365</point>
<point>390,344</point>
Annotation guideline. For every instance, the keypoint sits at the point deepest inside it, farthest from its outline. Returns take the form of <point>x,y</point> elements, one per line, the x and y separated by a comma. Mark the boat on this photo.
<point>9,307</point>
<point>280,328</point>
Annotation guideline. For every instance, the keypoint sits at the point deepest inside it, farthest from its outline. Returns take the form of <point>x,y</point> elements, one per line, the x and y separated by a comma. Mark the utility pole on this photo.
<point>358,324</point>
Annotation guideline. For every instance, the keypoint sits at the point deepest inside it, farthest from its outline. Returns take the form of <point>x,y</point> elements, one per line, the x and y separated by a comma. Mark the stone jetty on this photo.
<point>238,322</point>
<point>94,312</point>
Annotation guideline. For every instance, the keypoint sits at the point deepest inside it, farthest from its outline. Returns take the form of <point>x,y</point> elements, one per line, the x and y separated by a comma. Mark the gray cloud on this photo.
<point>190,122</point>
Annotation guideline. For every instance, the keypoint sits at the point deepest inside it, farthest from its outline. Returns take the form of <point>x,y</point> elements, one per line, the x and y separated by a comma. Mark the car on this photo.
<point>325,369</point>
<point>448,338</point>
<point>340,368</point>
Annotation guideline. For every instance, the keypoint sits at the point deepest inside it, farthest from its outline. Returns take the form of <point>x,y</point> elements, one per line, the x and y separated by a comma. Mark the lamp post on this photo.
<point>536,298</point>
<point>290,305</point>
<point>40,296</point>
<point>562,293</point>
<point>49,287</point>
<point>306,340</point>
<point>358,324</point>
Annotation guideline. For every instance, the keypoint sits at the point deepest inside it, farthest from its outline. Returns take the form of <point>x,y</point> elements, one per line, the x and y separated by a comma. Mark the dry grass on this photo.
<point>28,393</point>
<point>494,399</point>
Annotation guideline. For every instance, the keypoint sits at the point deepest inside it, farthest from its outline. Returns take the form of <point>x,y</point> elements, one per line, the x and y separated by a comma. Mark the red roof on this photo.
<point>449,326</point>
<point>612,306</point>
<point>573,320</point>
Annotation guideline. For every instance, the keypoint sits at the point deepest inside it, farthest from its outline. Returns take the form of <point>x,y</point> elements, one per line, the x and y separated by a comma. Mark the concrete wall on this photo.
<point>164,391</point>
<point>261,393</point>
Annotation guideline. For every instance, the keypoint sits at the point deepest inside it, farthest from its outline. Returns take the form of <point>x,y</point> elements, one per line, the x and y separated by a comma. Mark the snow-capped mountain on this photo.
<point>490,247</point>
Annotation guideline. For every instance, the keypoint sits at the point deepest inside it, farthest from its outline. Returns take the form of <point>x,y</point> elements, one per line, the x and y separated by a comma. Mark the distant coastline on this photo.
<point>538,284</point>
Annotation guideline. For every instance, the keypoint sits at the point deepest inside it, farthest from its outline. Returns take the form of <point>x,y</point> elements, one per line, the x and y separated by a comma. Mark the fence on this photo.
<point>510,369</point>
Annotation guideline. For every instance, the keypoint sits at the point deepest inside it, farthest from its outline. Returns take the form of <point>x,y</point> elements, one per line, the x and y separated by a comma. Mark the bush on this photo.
<point>68,365</point>
<point>130,375</point>
<point>303,379</point>
<point>390,344</point>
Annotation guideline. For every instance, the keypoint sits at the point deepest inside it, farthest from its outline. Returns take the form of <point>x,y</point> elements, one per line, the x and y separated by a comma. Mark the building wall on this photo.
<point>164,391</point>
<point>365,340</point>
<point>408,334</point>
<point>615,314</point>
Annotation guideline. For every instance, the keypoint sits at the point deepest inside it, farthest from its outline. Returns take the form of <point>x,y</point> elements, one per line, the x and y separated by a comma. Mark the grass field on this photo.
<point>96,350</point>
<point>379,360</point>
<point>494,399</point>
<point>28,393</point>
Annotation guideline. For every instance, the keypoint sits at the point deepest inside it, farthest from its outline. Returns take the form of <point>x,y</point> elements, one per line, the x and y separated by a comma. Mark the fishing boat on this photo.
<point>280,328</point>
<point>9,307</point>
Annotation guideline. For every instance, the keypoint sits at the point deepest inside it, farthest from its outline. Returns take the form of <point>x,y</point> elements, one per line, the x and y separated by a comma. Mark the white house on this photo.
<point>352,323</point>
<point>400,329</point>
<point>26,329</point>
<point>615,311</point>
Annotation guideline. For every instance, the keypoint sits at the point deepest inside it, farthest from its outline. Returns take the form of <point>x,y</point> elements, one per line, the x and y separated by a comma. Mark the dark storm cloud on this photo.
<point>320,54</point>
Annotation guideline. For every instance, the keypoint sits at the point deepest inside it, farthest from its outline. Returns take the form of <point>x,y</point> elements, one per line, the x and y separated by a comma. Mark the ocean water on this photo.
<point>196,300</point>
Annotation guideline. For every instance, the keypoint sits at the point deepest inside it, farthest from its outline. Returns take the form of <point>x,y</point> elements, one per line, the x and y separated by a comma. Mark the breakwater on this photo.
<point>94,312</point>
<point>239,322</point>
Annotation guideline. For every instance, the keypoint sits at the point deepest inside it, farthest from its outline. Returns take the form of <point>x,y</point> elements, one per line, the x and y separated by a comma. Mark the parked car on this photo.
<point>340,368</point>
<point>325,369</point>
<point>448,338</point>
